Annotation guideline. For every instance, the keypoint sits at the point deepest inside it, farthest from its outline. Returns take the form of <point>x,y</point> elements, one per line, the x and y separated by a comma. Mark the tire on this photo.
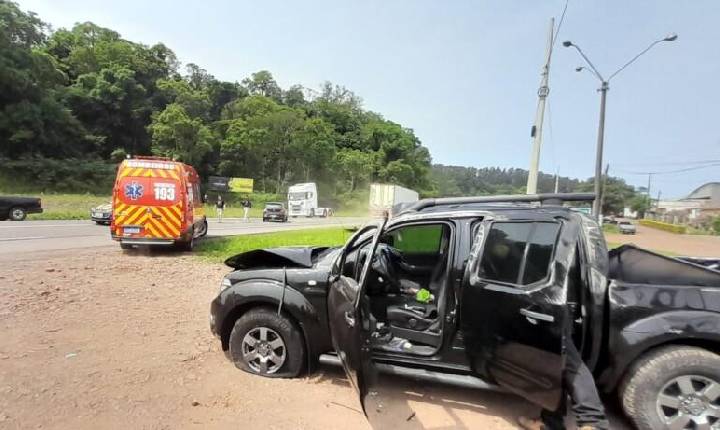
<point>125,246</point>
<point>252,324</point>
<point>17,214</point>
<point>660,372</point>
<point>186,245</point>
<point>204,229</point>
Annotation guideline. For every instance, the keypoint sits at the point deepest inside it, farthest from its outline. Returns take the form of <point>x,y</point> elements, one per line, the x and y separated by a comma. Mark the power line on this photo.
<point>562,18</point>
<point>671,163</point>
<point>687,169</point>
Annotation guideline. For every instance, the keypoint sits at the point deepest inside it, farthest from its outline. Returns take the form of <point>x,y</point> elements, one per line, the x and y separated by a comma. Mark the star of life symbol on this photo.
<point>133,191</point>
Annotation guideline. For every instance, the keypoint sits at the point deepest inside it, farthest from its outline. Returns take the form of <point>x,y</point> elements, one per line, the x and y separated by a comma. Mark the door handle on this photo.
<point>534,316</point>
<point>349,319</point>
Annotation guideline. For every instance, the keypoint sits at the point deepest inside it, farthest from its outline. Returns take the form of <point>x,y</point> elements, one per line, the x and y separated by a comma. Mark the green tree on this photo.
<point>262,83</point>
<point>314,149</point>
<point>355,165</point>
<point>177,135</point>
<point>640,204</point>
<point>33,119</point>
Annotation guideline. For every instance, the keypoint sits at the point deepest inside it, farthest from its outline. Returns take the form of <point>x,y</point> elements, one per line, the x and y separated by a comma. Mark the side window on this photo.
<point>416,239</point>
<point>518,252</point>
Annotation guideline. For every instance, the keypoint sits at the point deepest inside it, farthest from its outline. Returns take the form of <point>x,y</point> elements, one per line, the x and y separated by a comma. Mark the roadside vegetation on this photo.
<point>217,250</point>
<point>85,96</point>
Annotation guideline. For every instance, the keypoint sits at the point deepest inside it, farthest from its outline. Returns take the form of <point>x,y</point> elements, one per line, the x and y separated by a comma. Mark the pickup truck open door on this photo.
<point>352,326</point>
<point>513,310</point>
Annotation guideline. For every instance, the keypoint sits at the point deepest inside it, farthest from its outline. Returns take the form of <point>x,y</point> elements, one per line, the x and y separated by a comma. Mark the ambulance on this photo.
<point>157,201</point>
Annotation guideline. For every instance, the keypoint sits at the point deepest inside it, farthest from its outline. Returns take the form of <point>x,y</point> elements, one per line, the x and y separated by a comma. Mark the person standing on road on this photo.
<point>246,205</point>
<point>579,383</point>
<point>220,207</point>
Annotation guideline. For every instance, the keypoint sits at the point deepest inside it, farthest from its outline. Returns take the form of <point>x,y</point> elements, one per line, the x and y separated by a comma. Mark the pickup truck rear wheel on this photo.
<point>17,214</point>
<point>675,387</point>
<point>263,343</point>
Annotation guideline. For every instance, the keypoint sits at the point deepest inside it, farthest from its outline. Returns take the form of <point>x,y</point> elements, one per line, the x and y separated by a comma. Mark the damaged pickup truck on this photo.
<point>481,292</point>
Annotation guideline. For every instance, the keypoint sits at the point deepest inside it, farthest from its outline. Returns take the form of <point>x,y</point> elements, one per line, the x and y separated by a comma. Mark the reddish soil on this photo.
<point>678,244</point>
<point>104,339</point>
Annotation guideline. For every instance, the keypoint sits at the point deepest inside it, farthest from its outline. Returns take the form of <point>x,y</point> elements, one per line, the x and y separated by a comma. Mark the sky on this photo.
<point>464,74</point>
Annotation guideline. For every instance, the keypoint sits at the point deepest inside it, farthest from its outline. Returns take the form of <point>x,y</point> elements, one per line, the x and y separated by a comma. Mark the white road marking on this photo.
<point>23,238</point>
<point>46,225</point>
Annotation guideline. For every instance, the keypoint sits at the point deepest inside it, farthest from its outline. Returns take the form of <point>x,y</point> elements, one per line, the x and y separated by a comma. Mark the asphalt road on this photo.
<point>32,236</point>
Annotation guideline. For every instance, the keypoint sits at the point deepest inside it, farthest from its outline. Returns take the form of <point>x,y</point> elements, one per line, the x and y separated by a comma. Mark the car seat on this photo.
<point>411,319</point>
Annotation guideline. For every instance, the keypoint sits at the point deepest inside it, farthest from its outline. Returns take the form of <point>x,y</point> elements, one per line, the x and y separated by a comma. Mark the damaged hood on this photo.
<point>302,257</point>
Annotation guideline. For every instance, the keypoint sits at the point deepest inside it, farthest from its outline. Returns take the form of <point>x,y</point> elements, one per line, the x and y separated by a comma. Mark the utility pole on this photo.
<point>557,180</point>
<point>601,197</point>
<point>597,204</point>
<point>649,196</point>
<point>536,131</point>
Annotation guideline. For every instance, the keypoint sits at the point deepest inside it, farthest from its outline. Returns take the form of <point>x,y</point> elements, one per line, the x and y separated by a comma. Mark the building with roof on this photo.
<point>701,203</point>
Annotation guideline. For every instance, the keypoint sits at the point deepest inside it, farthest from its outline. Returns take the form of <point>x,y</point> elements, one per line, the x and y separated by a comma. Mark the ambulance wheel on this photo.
<point>186,245</point>
<point>203,229</point>
<point>125,246</point>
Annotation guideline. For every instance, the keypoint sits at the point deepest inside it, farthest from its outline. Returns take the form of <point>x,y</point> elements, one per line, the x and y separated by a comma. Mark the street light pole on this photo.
<point>604,87</point>
<point>597,208</point>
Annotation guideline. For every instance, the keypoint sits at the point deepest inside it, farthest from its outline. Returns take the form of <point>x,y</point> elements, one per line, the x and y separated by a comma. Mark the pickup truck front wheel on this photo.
<point>674,387</point>
<point>267,344</point>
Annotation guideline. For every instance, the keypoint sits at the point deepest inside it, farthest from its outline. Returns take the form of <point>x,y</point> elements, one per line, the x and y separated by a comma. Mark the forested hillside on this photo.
<point>471,181</point>
<point>74,101</point>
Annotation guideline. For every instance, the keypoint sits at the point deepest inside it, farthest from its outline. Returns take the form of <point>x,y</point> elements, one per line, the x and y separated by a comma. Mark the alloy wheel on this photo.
<point>690,402</point>
<point>264,350</point>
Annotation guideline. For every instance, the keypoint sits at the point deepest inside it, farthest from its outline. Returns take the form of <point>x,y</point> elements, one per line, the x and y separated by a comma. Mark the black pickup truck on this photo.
<point>484,292</point>
<point>17,208</point>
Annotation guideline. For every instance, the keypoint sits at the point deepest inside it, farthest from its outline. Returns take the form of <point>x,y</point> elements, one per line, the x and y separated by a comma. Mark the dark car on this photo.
<point>101,214</point>
<point>275,211</point>
<point>17,208</point>
<point>483,292</point>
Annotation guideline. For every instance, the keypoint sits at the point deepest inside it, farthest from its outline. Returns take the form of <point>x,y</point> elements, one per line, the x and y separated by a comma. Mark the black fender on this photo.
<point>232,303</point>
<point>688,327</point>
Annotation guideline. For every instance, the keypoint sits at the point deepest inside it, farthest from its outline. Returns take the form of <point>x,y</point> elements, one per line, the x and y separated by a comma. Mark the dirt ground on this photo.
<point>102,339</point>
<point>680,244</point>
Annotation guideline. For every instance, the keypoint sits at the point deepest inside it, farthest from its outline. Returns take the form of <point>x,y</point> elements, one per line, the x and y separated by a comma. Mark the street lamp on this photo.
<point>604,87</point>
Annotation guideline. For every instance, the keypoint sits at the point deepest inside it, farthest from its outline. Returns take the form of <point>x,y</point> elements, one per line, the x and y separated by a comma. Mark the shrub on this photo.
<point>672,228</point>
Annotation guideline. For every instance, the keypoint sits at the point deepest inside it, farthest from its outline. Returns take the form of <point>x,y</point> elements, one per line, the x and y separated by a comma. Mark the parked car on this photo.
<point>610,219</point>
<point>481,292</point>
<point>101,214</point>
<point>17,208</point>
<point>275,211</point>
<point>626,227</point>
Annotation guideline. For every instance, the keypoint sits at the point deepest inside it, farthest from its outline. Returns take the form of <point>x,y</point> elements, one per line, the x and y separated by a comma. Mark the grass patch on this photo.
<point>672,228</point>
<point>222,248</point>
<point>611,228</point>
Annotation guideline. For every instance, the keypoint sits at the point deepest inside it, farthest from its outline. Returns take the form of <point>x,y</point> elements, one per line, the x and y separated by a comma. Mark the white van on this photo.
<point>302,199</point>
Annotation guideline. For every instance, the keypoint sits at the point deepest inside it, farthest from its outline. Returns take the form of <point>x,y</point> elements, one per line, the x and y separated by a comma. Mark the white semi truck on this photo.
<point>303,199</point>
<point>388,197</point>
